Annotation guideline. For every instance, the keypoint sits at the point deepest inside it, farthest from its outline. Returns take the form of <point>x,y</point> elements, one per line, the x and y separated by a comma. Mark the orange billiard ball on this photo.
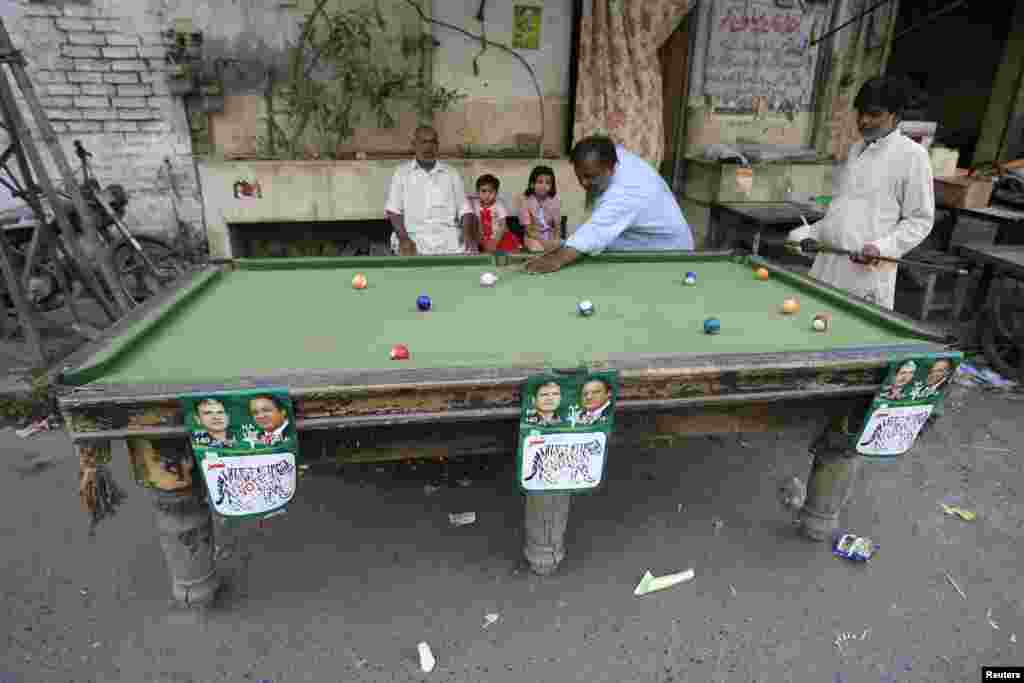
<point>359,281</point>
<point>762,273</point>
<point>790,305</point>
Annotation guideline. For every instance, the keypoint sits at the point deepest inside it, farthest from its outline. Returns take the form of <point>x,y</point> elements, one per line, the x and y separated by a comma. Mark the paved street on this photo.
<point>364,566</point>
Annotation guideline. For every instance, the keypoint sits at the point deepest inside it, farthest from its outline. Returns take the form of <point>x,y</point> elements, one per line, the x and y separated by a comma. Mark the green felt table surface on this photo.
<point>268,319</point>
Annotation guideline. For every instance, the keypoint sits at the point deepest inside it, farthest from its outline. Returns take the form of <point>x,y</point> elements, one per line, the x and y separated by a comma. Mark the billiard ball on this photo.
<point>488,279</point>
<point>359,281</point>
<point>691,278</point>
<point>762,273</point>
<point>822,322</point>
<point>790,306</point>
<point>712,326</point>
<point>585,308</point>
<point>423,302</point>
<point>399,352</point>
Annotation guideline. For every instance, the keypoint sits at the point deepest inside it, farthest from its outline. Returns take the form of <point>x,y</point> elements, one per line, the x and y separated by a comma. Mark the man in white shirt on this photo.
<point>427,203</point>
<point>633,208</point>
<point>885,205</point>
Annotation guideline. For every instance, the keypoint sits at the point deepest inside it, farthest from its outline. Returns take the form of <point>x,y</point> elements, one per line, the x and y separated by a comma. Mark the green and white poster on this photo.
<point>564,428</point>
<point>912,389</point>
<point>246,447</point>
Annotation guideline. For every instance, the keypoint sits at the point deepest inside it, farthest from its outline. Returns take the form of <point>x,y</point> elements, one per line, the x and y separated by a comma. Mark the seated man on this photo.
<point>427,202</point>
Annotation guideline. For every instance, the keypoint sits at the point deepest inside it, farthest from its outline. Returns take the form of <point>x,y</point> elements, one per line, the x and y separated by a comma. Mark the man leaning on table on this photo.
<point>633,209</point>
<point>885,205</point>
<point>427,202</point>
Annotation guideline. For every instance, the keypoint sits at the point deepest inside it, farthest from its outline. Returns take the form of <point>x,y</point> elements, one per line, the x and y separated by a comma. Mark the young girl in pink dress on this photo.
<point>541,211</point>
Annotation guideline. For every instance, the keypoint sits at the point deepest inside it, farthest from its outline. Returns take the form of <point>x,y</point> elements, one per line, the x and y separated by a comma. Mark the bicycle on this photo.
<point>1002,328</point>
<point>143,264</point>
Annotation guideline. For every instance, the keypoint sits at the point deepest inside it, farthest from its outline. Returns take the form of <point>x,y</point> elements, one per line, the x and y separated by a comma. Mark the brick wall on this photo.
<point>100,75</point>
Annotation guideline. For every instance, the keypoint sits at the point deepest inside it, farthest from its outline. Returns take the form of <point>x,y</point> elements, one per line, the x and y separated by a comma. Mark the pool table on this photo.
<point>300,324</point>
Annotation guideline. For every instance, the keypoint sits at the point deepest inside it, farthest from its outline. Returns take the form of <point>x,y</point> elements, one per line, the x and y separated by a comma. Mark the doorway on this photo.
<point>957,78</point>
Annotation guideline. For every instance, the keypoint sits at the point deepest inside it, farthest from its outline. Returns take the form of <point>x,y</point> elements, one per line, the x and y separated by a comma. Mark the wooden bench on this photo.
<point>929,279</point>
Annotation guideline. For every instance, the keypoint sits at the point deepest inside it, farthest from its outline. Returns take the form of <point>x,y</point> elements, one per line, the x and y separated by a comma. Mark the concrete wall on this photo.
<point>346,190</point>
<point>99,72</point>
<point>501,104</point>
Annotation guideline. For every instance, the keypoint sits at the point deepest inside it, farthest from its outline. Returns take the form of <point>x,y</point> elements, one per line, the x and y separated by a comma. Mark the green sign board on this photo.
<point>246,447</point>
<point>912,389</point>
<point>564,428</point>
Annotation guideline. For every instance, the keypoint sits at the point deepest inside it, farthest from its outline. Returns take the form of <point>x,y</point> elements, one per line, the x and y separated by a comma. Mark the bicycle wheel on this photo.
<point>1002,332</point>
<point>136,280</point>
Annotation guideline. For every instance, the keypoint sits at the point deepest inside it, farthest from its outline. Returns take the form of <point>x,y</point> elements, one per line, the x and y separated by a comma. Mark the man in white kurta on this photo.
<point>885,205</point>
<point>426,202</point>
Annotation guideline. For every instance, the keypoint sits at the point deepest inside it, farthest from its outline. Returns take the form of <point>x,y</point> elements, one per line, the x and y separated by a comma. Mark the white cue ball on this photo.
<point>819,324</point>
<point>488,279</point>
<point>585,308</point>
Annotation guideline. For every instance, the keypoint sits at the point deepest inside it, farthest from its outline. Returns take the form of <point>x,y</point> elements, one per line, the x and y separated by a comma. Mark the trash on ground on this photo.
<point>953,583</point>
<point>427,660</point>
<point>956,511</point>
<point>732,590</point>
<point>792,493</point>
<point>430,489</point>
<point>1013,637</point>
<point>461,518</point>
<point>650,583</point>
<point>491,619</point>
<point>717,523</point>
<point>853,547</point>
<point>969,375</point>
<point>40,425</point>
<point>988,615</point>
<point>465,482</point>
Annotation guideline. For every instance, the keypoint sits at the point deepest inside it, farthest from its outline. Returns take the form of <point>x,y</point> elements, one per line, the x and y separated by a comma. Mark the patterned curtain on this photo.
<point>618,89</point>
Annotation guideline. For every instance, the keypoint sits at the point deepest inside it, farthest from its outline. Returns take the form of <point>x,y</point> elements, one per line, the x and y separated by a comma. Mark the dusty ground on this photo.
<point>344,586</point>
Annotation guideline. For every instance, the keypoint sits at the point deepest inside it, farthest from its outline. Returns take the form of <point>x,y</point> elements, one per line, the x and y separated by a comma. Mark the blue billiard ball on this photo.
<point>423,302</point>
<point>691,278</point>
<point>585,308</point>
<point>712,326</point>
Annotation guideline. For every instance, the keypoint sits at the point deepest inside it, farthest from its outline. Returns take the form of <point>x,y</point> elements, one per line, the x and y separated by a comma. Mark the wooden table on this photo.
<point>1009,224</point>
<point>754,218</point>
<point>994,259</point>
<point>299,324</point>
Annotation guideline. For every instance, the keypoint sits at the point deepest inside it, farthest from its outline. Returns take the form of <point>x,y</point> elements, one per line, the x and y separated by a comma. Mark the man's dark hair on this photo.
<point>598,147</point>
<point>886,93</point>
<point>278,403</point>
<point>487,180</point>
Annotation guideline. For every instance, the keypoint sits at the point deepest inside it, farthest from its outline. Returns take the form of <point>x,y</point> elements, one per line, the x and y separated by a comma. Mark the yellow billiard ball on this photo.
<point>790,306</point>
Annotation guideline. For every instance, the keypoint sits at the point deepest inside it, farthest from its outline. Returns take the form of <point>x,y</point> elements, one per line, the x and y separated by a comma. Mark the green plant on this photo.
<point>337,72</point>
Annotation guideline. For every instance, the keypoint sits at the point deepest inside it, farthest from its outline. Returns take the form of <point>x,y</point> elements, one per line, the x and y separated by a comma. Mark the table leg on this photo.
<point>183,518</point>
<point>546,518</point>
<point>833,474</point>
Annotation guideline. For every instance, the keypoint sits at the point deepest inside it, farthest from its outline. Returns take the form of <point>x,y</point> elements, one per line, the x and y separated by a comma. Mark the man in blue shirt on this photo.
<point>633,208</point>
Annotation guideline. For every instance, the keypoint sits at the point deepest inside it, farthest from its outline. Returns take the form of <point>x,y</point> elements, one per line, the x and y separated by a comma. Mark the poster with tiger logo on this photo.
<point>564,428</point>
<point>907,399</point>
<point>246,448</point>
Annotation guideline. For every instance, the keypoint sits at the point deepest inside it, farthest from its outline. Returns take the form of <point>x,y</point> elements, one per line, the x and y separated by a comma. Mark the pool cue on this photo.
<point>909,263</point>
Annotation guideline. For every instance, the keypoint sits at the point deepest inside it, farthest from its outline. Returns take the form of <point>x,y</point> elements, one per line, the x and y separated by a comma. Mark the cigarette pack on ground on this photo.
<point>855,548</point>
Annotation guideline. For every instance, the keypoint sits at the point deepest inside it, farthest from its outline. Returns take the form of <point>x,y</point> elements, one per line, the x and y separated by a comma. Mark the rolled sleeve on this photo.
<point>396,195</point>
<point>615,214</point>
<point>917,210</point>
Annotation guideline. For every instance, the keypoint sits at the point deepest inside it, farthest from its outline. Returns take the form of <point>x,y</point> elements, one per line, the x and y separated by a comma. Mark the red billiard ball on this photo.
<point>399,352</point>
